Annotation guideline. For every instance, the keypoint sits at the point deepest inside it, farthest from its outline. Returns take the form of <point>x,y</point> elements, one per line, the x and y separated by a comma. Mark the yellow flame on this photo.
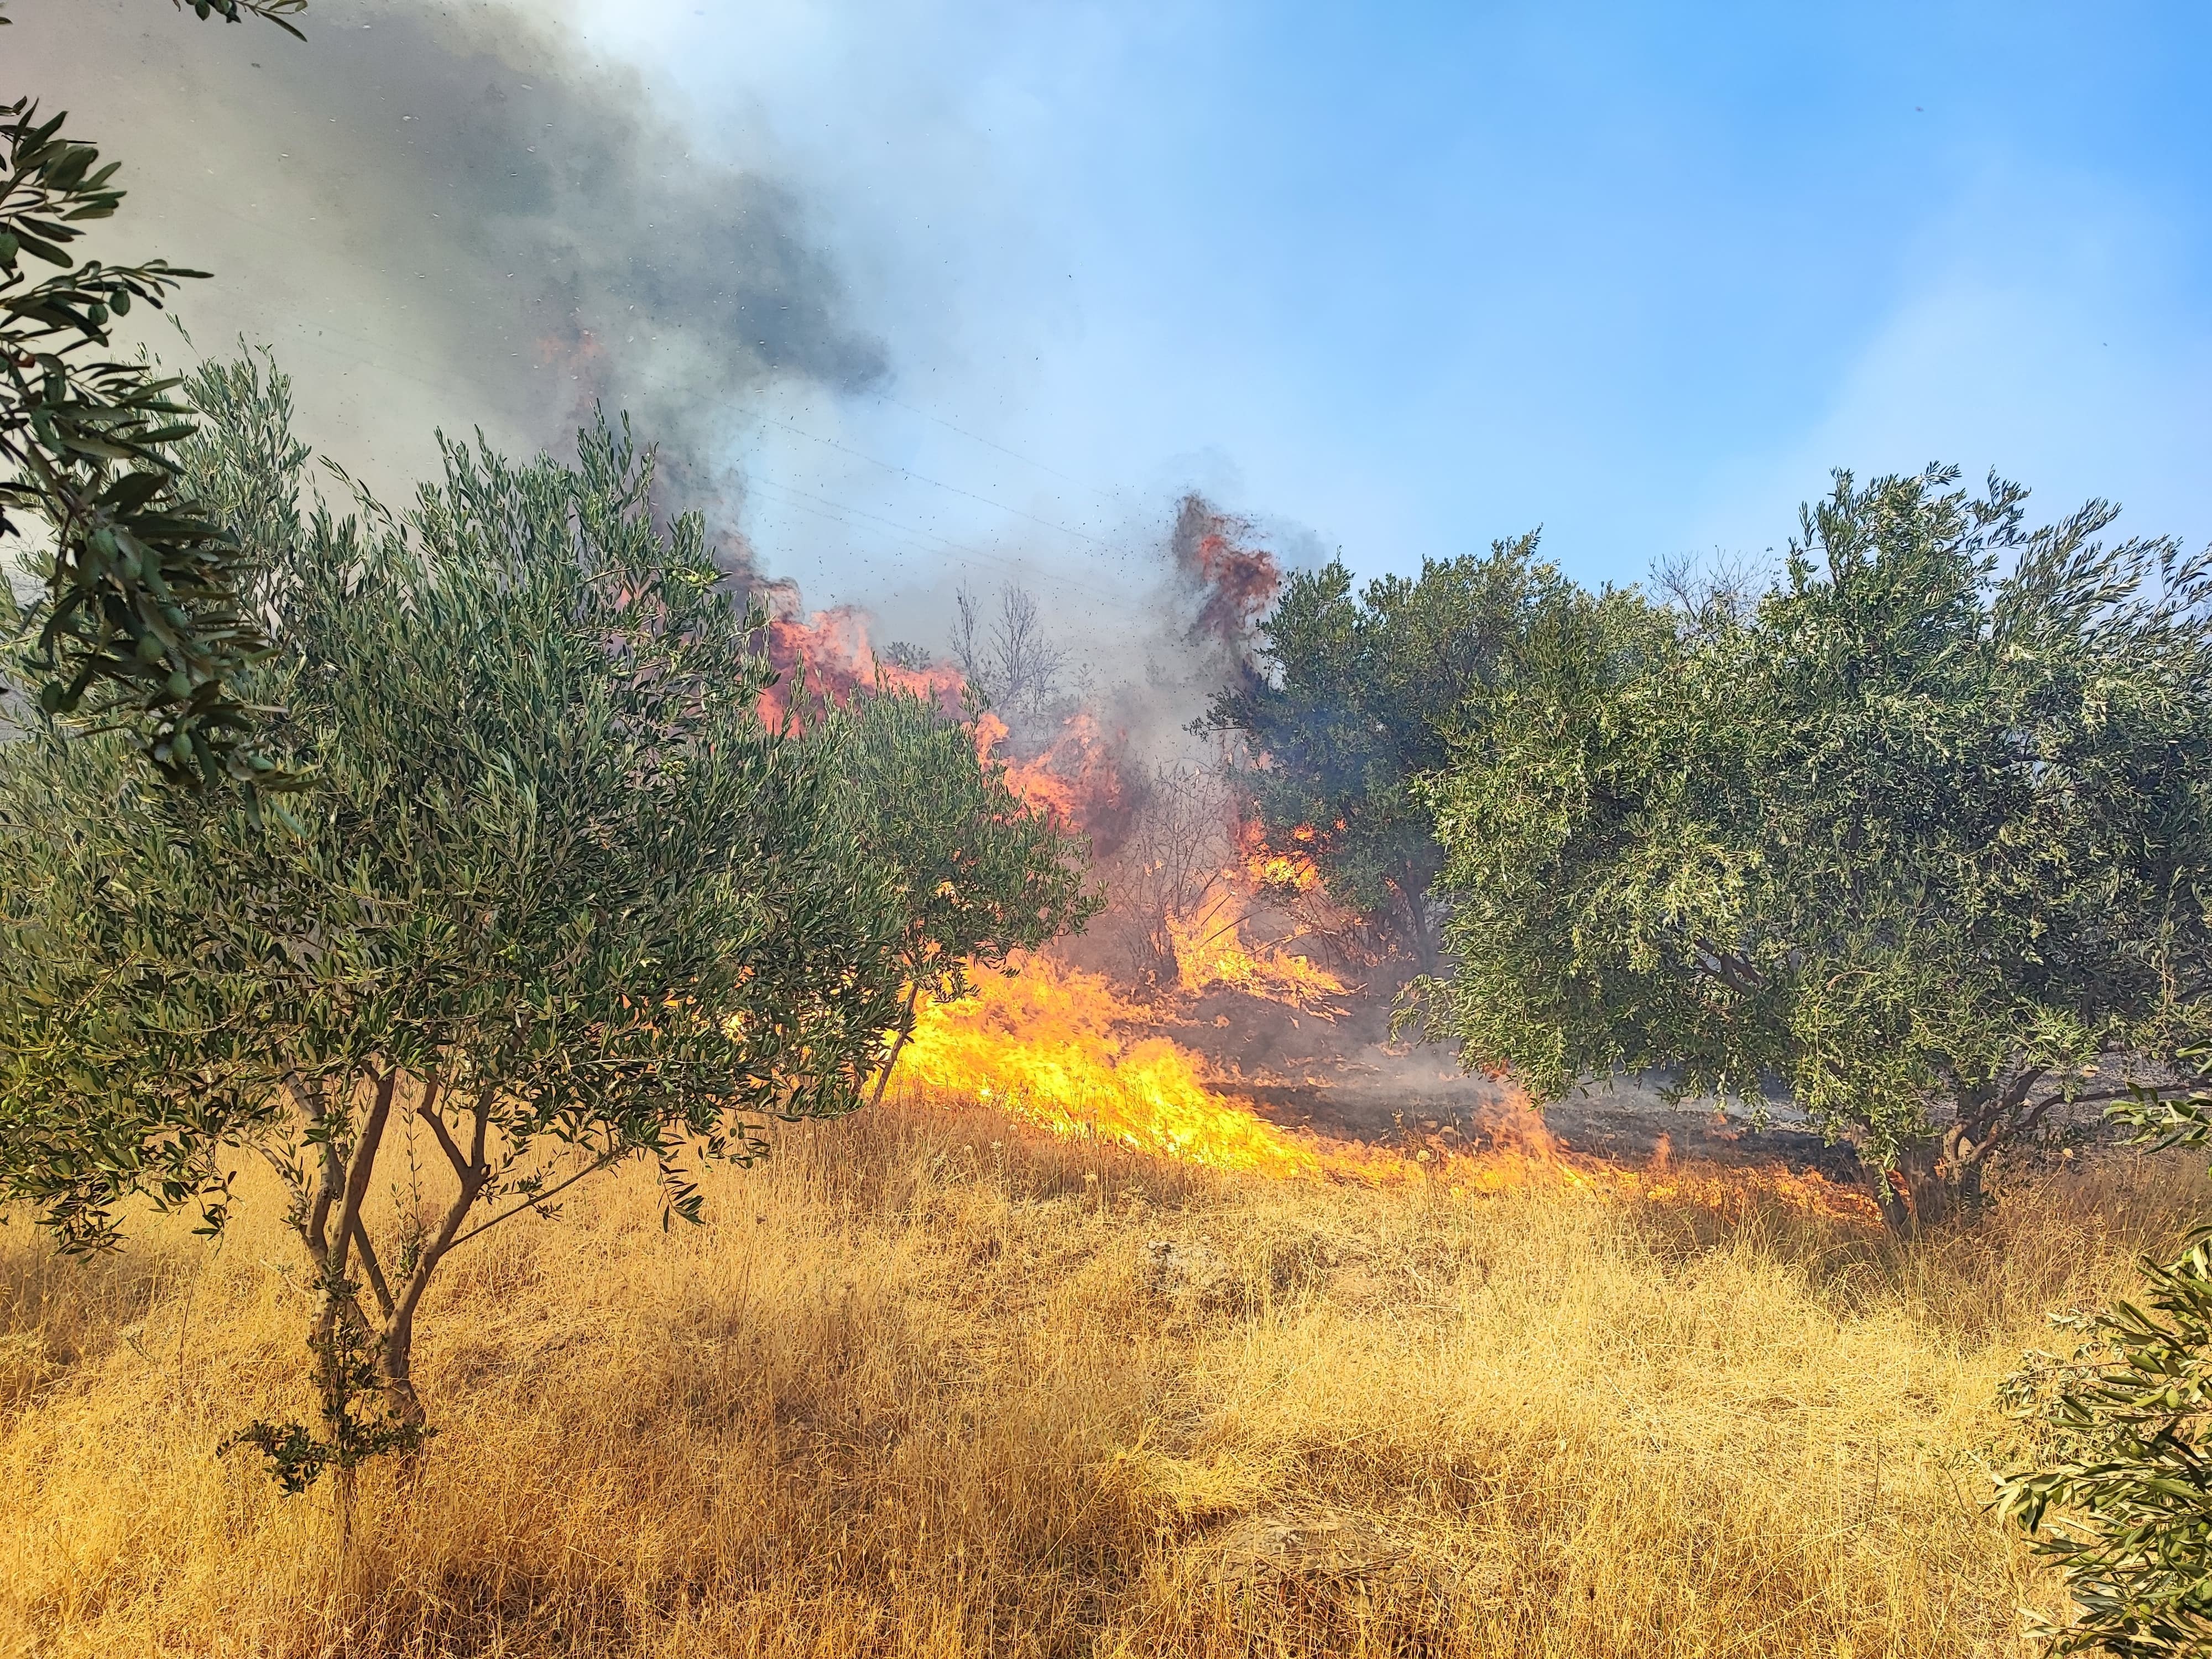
<point>1210,950</point>
<point>1060,1047</point>
<point>1053,1045</point>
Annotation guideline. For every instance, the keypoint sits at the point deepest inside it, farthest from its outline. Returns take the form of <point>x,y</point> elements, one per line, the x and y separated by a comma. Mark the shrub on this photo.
<point>1918,835</point>
<point>2120,1496</point>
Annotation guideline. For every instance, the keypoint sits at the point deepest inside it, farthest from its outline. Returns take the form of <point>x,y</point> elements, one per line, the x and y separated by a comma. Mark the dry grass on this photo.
<point>928,1386</point>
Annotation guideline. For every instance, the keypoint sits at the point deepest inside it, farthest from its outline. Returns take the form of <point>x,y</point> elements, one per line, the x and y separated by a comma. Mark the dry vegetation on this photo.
<point>931,1386</point>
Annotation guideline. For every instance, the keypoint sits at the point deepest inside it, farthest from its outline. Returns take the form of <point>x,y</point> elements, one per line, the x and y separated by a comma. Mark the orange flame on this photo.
<point>1058,1047</point>
<point>1077,778</point>
<point>1210,950</point>
<point>1235,583</point>
<point>1268,867</point>
<point>832,649</point>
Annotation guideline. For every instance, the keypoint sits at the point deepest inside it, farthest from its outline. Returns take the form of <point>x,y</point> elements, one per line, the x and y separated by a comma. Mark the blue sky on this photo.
<point>1392,279</point>
<point>1400,279</point>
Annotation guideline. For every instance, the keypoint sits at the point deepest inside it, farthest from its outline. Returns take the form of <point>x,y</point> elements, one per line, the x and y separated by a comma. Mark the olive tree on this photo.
<point>138,623</point>
<point>978,874</point>
<point>2115,1484</point>
<point>1351,708</point>
<point>1923,836</point>
<point>2119,1495</point>
<point>558,898</point>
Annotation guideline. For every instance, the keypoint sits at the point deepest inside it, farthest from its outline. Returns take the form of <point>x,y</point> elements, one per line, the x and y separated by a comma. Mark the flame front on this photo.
<point>1077,778</point>
<point>1050,1045</point>
<point>1059,1048</point>
<point>1210,952</point>
<point>832,651</point>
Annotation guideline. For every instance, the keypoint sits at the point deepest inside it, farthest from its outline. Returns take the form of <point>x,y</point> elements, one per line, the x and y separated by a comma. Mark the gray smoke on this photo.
<point>448,216</point>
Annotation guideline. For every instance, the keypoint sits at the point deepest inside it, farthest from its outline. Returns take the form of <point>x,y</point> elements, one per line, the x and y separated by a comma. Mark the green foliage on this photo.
<point>140,624</point>
<point>1921,836</point>
<point>2121,1497</point>
<point>357,1425</point>
<point>978,875</point>
<point>557,900</point>
<point>231,11</point>
<point>1352,708</point>
<point>2119,1493</point>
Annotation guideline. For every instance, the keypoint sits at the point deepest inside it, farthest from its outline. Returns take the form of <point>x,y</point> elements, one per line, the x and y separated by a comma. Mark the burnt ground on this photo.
<point>1382,1096</point>
<point>1345,1079</point>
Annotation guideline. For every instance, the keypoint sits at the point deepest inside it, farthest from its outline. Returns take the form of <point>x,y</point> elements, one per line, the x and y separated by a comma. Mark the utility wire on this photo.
<point>384,353</point>
<point>908,472</point>
<point>903,533</point>
<point>1026,460</point>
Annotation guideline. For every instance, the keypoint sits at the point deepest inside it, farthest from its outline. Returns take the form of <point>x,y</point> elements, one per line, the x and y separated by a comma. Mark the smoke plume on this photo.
<point>449,216</point>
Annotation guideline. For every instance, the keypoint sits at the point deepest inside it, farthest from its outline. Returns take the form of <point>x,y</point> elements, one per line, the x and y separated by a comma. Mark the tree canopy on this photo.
<point>138,623</point>
<point>1923,837</point>
<point>1352,707</point>
<point>2111,1481</point>
<point>979,876</point>
<point>558,897</point>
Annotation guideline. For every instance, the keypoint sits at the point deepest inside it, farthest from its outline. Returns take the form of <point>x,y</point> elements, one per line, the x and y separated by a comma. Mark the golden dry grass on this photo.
<point>931,1386</point>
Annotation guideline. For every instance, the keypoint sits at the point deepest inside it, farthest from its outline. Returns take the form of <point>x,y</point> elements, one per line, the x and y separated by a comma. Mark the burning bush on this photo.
<point>1354,701</point>
<point>1170,867</point>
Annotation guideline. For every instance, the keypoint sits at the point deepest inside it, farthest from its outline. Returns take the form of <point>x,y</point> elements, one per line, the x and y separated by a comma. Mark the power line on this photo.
<point>908,472</point>
<point>384,353</point>
<point>823,508</point>
<point>842,510</point>
<point>1027,460</point>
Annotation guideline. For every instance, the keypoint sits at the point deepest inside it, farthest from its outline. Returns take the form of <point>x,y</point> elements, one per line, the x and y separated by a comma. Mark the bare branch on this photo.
<point>331,1182</point>
<point>427,1111</point>
<point>473,1176</point>
<point>362,1165</point>
<point>537,1201</point>
<point>898,1043</point>
<point>1736,972</point>
<point>968,644</point>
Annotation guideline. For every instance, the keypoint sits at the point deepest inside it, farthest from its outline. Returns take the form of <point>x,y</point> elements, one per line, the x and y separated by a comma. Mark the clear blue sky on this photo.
<point>1414,276</point>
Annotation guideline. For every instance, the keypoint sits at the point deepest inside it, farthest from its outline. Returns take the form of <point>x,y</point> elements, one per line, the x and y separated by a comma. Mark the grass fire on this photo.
<point>844,989</point>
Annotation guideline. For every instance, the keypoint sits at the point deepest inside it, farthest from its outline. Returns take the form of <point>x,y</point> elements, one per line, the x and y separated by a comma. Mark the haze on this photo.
<point>1391,282</point>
